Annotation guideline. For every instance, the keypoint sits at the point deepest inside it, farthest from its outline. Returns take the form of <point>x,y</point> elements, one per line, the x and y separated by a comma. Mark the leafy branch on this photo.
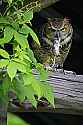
<point>18,66</point>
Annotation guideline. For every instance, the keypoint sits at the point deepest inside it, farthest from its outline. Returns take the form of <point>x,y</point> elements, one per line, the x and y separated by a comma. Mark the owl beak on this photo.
<point>57,43</point>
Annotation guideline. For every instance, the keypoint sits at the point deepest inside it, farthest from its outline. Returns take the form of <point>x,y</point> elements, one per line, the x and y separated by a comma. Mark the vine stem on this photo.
<point>28,7</point>
<point>8,7</point>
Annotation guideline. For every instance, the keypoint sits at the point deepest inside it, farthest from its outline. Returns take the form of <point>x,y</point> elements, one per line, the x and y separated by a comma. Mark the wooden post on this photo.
<point>3,102</point>
<point>3,110</point>
<point>3,114</point>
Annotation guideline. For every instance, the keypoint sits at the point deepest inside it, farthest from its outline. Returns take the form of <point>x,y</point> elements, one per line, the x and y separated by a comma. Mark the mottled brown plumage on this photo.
<point>55,40</point>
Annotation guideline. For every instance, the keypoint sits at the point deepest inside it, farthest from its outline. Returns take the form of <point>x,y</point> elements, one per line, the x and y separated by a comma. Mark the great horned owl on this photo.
<point>55,40</point>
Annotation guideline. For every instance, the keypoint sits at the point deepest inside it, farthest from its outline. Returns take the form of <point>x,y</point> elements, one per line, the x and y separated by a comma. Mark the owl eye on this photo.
<point>63,29</point>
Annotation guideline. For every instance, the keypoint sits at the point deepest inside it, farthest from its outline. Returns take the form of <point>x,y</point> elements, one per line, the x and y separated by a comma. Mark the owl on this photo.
<point>55,41</point>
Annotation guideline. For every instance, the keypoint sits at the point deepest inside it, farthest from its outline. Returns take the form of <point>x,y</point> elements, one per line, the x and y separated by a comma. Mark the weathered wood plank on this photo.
<point>68,91</point>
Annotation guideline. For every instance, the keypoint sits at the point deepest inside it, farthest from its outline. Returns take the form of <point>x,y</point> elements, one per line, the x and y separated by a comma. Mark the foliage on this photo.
<point>17,64</point>
<point>15,120</point>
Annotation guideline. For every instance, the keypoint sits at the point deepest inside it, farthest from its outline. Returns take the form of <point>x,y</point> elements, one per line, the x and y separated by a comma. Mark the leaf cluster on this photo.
<point>17,68</point>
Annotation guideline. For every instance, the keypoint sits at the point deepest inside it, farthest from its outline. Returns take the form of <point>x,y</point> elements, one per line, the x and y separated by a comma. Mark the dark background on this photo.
<point>72,9</point>
<point>51,118</point>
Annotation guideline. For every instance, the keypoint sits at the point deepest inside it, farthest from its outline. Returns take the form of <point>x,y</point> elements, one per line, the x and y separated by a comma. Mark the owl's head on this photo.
<point>58,32</point>
<point>56,25</point>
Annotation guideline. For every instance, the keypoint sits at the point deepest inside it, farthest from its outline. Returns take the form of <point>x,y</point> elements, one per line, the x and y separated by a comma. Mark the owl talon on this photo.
<point>59,70</point>
<point>48,67</point>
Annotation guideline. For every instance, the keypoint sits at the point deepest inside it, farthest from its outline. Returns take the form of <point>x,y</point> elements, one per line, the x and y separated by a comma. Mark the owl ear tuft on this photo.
<point>49,20</point>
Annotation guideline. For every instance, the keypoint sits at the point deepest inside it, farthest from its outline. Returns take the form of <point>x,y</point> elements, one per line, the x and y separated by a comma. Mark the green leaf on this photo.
<point>17,85</point>
<point>25,91</point>
<point>15,120</point>
<point>24,55</point>
<point>47,92</point>
<point>37,88</point>
<point>3,63</point>
<point>31,56</point>
<point>28,15</point>
<point>4,20</point>
<point>36,85</point>
<point>21,39</point>
<point>42,71</point>
<point>27,58</point>
<point>15,24</point>
<point>29,92</point>
<point>27,30</point>
<point>17,60</point>
<point>33,34</point>
<point>27,78</point>
<point>24,30</point>
<point>8,35</point>
<point>1,26</point>
<point>6,85</point>
<point>30,79</point>
<point>9,1</point>
<point>8,21</point>
<point>21,67</point>
<point>12,69</point>
<point>4,54</point>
